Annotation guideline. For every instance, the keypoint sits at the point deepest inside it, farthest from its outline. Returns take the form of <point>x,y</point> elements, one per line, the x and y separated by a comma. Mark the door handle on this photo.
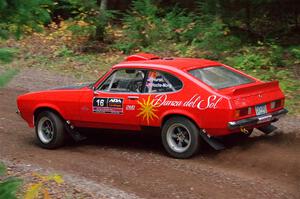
<point>133,97</point>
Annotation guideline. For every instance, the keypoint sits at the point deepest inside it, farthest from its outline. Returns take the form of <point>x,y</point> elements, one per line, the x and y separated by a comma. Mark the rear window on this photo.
<point>220,77</point>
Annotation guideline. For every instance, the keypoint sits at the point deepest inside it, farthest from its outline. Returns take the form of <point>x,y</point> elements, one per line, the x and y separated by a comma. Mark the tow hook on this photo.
<point>244,130</point>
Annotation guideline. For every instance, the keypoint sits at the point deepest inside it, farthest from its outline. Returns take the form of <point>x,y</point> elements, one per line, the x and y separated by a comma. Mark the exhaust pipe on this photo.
<point>244,130</point>
<point>267,129</point>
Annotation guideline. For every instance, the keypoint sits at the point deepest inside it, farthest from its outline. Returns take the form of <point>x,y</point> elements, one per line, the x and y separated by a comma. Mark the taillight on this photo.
<point>276,104</point>
<point>243,112</point>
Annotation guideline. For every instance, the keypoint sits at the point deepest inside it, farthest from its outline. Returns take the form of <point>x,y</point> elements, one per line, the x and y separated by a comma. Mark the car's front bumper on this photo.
<point>270,117</point>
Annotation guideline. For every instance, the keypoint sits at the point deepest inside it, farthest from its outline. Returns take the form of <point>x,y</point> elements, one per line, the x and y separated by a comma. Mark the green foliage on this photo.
<point>142,24</point>
<point>7,76</point>
<point>8,186</point>
<point>78,30</point>
<point>92,13</point>
<point>248,61</point>
<point>276,53</point>
<point>295,51</point>
<point>180,25</point>
<point>17,17</point>
<point>7,54</point>
<point>147,27</point>
<point>255,20</point>
<point>216,38</point>
<point>2,169</point>
<point>64,51</point>
<point>256,58</point>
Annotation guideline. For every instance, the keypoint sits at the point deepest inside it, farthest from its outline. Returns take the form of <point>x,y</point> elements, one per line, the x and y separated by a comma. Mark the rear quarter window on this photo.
<point>161,82</point>
<point>220,77</point>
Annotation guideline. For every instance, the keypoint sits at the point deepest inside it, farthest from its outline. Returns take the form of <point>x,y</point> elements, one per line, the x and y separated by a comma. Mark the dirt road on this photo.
<point>256,167</point>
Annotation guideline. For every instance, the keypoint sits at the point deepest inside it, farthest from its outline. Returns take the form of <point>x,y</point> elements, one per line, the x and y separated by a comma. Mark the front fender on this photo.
<point>45,106</point>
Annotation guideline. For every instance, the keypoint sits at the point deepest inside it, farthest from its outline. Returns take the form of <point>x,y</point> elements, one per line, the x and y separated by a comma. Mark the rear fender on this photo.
<point>180,112</point>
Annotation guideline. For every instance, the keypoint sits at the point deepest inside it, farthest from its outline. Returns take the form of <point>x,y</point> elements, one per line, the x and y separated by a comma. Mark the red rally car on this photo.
<point>190,100</point>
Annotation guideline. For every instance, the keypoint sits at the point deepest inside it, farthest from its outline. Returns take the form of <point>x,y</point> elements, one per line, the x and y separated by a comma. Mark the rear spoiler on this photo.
<point>265,86</point>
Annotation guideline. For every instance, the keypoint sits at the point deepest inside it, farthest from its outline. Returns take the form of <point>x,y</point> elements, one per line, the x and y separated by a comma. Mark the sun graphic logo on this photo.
<point>147,110</point>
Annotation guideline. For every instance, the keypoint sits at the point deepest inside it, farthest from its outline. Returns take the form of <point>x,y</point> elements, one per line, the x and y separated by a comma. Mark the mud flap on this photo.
<point>213,142</point>
<point>76,136</point>
<point>267,129</point>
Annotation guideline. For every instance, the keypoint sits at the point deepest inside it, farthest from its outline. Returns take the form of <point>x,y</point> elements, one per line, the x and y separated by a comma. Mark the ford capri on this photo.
<point>188,100</point>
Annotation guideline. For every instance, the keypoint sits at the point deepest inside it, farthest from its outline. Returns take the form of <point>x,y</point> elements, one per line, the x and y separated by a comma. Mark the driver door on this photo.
<point>114,104</point>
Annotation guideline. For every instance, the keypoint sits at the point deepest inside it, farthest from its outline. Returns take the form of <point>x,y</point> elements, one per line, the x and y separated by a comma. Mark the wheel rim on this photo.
<point>178,138</point>
<point>45,130</point>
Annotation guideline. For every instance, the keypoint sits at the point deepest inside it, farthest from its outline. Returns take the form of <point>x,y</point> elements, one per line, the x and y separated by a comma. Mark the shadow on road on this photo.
<point>150,140</point>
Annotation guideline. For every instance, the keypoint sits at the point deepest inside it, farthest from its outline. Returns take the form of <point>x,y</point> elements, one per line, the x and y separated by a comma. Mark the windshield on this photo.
<point>220,77</point>
<point>93,84</point>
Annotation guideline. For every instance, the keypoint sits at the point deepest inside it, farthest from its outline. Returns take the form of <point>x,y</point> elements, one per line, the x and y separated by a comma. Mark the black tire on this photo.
<point>58,134</point>
<point>170,144</point>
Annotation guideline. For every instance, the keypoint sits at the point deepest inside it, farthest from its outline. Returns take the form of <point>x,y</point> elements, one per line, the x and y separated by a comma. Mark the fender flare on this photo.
<point>179,112</point>
<point>46,106</point>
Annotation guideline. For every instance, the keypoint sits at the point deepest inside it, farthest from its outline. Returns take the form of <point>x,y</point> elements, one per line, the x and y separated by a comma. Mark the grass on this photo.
<point>7,54</point>
<point>7,76</point>
<point>84,67</point>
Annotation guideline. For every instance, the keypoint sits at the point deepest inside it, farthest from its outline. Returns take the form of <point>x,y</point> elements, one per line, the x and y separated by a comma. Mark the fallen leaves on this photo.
<point>35,189</point>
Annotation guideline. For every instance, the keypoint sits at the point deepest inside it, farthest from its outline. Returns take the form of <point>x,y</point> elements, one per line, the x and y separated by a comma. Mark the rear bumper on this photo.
<point>270,117</point>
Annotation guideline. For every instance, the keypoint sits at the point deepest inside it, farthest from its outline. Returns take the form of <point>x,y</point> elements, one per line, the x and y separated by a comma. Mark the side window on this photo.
<point>159,82</point>
<point>124,80</point>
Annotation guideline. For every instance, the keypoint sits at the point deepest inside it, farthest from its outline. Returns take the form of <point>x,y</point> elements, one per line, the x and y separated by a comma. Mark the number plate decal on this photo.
<point>261,109</point>
<point>108,105</point>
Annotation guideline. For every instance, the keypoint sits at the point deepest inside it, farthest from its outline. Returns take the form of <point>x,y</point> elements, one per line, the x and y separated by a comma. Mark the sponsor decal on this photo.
<point>196,101</point>
<point>130,107</point>
<point>108,105</point>
<point>149,107</point>
<point>157,83</point>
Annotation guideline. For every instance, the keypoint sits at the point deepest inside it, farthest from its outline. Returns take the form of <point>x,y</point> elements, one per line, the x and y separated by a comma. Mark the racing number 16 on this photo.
<point>100,102</point>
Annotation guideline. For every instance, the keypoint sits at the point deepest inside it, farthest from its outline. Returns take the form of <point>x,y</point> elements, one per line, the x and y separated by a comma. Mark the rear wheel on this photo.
<point>180,137</point>
<point>50,130</point>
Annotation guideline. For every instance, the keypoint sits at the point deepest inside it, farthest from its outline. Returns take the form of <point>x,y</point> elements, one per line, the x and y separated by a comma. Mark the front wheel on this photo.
<point>180,137</point>
<point>50,130</point>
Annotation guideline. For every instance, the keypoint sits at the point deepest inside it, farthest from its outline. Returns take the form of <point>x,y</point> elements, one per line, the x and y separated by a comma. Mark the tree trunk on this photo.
<point>103,5</point>
<point>100,30</point>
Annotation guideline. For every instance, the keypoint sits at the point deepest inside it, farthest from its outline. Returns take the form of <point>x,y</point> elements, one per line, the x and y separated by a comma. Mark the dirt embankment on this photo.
<point>136,164</point>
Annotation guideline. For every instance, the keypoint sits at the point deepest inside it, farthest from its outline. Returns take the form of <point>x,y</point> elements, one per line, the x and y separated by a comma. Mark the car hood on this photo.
<point>73,87</point>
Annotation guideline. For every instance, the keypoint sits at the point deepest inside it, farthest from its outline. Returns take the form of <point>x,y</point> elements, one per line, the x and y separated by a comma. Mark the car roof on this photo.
<point>146,60</point>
